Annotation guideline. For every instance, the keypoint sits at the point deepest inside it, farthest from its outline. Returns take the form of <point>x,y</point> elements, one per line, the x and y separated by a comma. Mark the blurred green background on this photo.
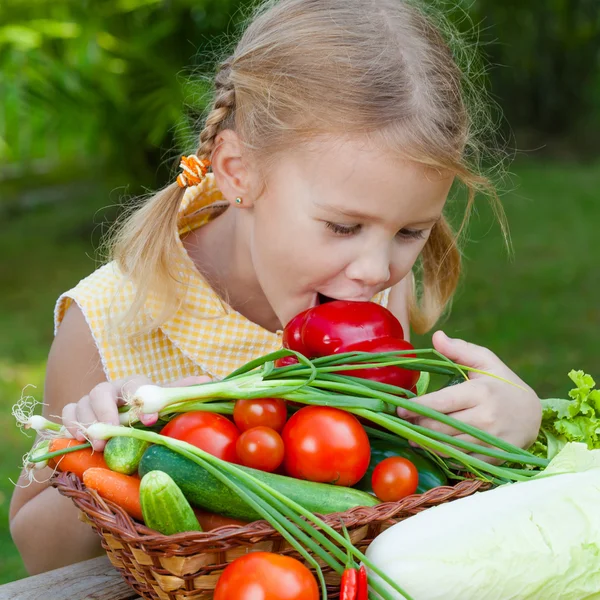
<point>97,98</point>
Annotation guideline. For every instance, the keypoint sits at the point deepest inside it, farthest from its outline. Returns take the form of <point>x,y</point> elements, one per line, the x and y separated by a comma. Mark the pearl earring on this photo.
<point>238,200</point>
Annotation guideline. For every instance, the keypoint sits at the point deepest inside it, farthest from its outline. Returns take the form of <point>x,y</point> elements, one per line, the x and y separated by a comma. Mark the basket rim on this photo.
<point>108,515</point>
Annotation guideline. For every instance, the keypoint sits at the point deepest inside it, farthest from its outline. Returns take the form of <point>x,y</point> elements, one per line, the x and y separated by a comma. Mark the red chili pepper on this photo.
<point>363,584</point>
<point>349,585</point>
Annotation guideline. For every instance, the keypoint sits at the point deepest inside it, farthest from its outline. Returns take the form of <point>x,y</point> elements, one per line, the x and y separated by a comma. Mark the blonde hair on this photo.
<point>385,69</point>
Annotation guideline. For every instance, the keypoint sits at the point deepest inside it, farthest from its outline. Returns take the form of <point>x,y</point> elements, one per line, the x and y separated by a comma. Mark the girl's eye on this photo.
<point>412,234</point>
<point>342,229</point>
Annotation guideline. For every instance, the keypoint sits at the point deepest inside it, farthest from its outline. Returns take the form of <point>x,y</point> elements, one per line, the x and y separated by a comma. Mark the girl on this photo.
<point>337,130</point>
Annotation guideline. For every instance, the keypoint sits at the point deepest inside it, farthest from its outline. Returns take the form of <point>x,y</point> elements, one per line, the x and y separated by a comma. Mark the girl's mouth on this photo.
<point>323,299</point>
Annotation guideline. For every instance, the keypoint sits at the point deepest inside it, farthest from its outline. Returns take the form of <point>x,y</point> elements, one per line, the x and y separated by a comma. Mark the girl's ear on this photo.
<point>232,175</point>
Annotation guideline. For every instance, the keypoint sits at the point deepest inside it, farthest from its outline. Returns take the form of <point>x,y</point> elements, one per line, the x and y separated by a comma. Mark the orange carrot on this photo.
<point>77,462</point>
<point>123,490</point>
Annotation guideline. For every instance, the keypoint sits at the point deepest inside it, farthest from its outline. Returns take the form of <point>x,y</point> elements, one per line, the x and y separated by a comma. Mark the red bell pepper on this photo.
<point>404,378</point>
<point>323,329</point>
<point>292,334</point>
<point>286,361</point>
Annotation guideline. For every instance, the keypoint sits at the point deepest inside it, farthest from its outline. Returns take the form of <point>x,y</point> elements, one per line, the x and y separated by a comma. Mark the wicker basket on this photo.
<point>187,566</point>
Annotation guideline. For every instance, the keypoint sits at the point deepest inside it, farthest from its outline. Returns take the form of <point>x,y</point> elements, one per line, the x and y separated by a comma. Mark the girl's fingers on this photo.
<point>466,353</point>
<point>86,416</point>
<point>447,400</point>
<point>69,416</point>
<point>103,401</point>
<point>148,419</point>
<point>434,425</point>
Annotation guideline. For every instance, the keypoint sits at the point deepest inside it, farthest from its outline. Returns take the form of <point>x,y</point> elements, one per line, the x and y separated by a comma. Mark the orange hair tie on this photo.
<point>194,170</point>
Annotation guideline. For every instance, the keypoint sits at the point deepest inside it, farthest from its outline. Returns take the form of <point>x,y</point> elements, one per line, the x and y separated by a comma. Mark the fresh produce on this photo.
<point>319,383</point>
<point>529,540</point>
<point>286,361</point>
<point>430,473</point>
<point>363,584</point>
<point>266,576</point>
<point>303,530</point>
<point>260,448</point>
<point>576,419</point>
<point>41,449</point>
<point>403,378</point>
<point>266,412</point>
<point>77,462</point>
<point>327,445</point>
<point>316,382</point>
<point>124,454</point>
<point>211,432</point>
<point>164,506</point>
<point>322,330</point>
<point>341,326</point>
<point>292,334</point>
<point>204,490</point>
<point>349,584</point>
<point>123,490</point>
<point>394,478</point>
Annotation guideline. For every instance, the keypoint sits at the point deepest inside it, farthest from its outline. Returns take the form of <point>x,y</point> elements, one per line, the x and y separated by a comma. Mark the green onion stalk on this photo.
<point>321,382</point>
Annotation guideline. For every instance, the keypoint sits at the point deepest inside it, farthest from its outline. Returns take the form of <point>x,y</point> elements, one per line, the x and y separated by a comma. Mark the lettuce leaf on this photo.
<point>576,419</point>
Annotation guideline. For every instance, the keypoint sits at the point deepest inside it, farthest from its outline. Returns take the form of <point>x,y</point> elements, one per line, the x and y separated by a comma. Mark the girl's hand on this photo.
<point>101,404</point>
<point>510,412</point>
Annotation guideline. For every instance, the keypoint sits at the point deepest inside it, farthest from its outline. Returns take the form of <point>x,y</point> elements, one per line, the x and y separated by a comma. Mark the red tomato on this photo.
<point>260,448</point>
<point>266,576</point>
<point>210,432</point>
<point>326,444</point>
<point>329,326</point>
<point>397,376</point>
<point>265,412</point>
<point>394,478</point>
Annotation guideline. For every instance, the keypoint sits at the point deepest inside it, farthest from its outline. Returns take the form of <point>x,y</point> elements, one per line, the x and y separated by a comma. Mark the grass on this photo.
<point>538,311</point>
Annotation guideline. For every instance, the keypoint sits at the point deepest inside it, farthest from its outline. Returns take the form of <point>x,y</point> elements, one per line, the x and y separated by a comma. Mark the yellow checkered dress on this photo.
<point>204,337</point>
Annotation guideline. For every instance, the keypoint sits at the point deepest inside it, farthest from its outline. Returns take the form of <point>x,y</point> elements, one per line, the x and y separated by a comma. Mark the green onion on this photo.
<point>34,458</point>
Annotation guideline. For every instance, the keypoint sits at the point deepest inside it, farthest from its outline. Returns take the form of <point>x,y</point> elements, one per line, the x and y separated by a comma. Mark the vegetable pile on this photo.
<point>309,430</point>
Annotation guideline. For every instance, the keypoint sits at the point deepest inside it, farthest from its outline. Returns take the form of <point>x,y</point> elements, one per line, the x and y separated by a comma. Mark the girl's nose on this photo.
<point>371,268</point>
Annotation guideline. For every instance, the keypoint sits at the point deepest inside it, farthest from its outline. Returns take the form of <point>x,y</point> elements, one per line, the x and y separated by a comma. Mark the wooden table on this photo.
<point>94,579</point>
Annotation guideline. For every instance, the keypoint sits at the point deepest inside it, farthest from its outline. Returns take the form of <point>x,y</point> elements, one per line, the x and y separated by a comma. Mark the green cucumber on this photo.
<point>164,506</point>
<point>430,474</point>
<point>203,490</point>
<point>123,454</point>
